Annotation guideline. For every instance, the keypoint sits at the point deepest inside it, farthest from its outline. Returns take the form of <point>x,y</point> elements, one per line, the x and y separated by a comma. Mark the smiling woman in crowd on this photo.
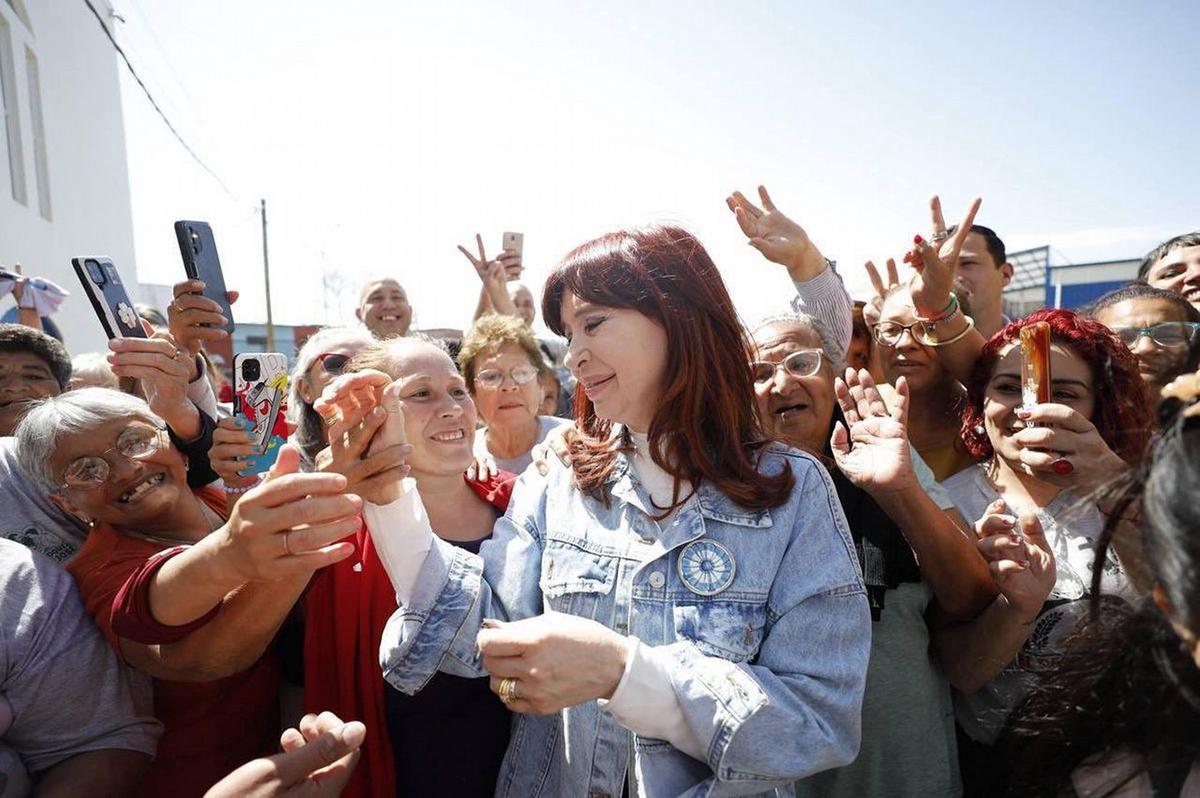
<point>501,362</point>
<point>704,588</point>
<point>1095,428</point>
<point>1120,712</point>
<point>448,739</point>
<point>180,591</point>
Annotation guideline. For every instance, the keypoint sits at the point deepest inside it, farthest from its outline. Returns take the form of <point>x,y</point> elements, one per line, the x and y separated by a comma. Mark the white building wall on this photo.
<point>85,158</point>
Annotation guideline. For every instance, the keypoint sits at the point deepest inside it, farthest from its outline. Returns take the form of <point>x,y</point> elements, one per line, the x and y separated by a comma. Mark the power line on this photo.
<point>150,97</point>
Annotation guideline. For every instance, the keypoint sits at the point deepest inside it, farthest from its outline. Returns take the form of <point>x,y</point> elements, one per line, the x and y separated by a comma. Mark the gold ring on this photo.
<point>287,547</point>
<point>507,690</point>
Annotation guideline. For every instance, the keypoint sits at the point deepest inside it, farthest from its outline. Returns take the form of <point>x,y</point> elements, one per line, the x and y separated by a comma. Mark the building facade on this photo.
<point>64,178</point>
<point>1039,283</point>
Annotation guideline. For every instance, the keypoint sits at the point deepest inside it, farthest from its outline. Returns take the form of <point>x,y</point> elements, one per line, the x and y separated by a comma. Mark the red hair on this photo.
<point>1123,414</point>
<point>705,426</point>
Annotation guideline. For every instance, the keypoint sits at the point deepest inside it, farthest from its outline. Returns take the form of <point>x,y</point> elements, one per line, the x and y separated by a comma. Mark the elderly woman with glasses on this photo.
<point>500,361</point>
<point>922,572</point>
<point>183,590</point>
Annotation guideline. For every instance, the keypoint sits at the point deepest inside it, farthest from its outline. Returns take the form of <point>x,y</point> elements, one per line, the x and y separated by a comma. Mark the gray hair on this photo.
<point>93,368</point>
<point>830,351</point>
<point>71,413</point>
<point>310,432</point>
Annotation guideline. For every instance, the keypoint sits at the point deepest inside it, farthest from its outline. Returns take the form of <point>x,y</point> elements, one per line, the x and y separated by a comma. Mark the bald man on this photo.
<point>383,308</point>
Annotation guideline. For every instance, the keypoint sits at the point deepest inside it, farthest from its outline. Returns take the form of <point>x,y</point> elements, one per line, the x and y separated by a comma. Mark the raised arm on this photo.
<point>874,454</point>
<point>959,343</point>
<point>493,274</point>
<point>213,608</point>
<point>819,289</point>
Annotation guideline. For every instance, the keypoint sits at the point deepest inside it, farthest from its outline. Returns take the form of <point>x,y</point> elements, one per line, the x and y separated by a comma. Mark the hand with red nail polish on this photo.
<point>934,271</point>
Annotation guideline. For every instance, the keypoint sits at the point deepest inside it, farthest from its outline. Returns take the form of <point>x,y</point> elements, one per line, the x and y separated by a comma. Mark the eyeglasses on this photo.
<point>803,363</point>
<point>889,333</point>
<point>136,442</point>
<point>1168,334</point>
<point>333,363</point>
<point>494,378</point>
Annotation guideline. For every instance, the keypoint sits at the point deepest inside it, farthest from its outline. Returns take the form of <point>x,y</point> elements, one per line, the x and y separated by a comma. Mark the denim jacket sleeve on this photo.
<point>796,708</point>
<point>456,590</point>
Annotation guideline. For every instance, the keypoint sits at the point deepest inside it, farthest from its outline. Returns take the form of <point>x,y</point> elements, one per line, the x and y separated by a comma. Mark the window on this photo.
<point>12,118</point>
<point>39,133</point>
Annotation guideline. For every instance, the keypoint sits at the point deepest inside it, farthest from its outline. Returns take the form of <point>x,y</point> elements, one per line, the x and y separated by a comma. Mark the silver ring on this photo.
<point>287,548</point>
<point>939,236</point>
<point>178,354</point>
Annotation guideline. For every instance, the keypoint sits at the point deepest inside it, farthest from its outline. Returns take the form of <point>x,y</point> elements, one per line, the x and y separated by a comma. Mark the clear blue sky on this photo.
<point>382,134</point>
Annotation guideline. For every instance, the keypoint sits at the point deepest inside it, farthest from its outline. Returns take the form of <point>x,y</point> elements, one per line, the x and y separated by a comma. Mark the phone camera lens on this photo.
<point>195,242</point>
<point>95,272</point>
<point>250,370</point>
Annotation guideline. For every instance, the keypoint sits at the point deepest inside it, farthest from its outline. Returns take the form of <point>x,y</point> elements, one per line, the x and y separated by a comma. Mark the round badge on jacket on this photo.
<point>706,567</point>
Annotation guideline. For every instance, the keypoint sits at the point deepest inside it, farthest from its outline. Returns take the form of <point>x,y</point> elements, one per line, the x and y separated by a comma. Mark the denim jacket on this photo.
<point>764,614</point>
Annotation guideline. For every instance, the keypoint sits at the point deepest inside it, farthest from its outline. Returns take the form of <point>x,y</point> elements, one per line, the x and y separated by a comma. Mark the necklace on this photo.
<point>214,523</point>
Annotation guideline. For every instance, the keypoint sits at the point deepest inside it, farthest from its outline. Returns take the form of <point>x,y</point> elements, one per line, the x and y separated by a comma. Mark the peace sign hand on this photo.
<point>777,237</point>
<point>933,273</point>
<point>482,265</point>
<point>874,307</point>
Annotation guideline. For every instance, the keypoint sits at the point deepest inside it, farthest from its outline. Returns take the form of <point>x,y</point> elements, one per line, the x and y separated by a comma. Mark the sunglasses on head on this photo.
<point>333,362</point>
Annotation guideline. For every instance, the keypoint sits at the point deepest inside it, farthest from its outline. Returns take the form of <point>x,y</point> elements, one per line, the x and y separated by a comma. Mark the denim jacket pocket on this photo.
<point>574,577</point>
<point>731,630</point>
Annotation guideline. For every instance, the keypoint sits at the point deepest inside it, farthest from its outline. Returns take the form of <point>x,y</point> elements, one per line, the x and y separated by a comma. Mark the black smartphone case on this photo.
<point>108,296</point>
<point>200,261</point>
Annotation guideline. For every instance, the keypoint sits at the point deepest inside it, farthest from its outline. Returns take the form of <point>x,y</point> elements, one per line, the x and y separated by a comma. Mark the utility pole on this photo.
<point>267,278</point>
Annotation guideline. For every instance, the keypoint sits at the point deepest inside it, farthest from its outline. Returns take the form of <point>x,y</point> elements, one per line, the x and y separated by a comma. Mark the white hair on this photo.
<point>310,435</point>
<point>92,368</point>
<point>72,413</point>
<point>830,351</point>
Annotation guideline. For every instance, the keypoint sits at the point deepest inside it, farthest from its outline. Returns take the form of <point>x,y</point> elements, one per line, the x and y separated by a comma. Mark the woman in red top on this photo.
<point>448,740</point>
<point>183,593</point>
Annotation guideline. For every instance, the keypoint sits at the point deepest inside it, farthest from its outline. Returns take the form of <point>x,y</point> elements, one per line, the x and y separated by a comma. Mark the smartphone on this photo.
<point>104,289</point>
<point>260,387</point>
<point>514,242</point>
<point>1035,365</point>
<point>200,261</point>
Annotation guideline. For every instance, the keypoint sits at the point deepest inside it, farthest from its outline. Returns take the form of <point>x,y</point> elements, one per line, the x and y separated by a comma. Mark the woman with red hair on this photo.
<point>1050,460</point>
<point>674,606</point>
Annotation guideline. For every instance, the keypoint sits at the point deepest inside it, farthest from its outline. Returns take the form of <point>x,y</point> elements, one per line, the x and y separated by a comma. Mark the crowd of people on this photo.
<point>836,551</point>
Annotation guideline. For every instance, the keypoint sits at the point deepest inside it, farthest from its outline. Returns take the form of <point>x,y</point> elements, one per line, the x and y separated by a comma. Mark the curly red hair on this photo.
<point>705,425</point>
<point>1124,414</point>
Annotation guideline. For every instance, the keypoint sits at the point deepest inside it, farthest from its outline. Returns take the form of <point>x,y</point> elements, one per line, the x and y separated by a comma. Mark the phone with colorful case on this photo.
<point>260,384</point>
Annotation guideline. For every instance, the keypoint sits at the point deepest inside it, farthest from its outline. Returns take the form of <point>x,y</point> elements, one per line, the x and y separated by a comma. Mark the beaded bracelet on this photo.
<point>228,490</point>
<point>945,312</point>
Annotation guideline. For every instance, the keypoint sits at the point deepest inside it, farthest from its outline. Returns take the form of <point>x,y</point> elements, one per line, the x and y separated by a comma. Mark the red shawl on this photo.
<point>346,608</point>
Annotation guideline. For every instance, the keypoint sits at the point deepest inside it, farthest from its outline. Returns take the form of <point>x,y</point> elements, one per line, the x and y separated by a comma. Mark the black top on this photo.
<point>450,738</point>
